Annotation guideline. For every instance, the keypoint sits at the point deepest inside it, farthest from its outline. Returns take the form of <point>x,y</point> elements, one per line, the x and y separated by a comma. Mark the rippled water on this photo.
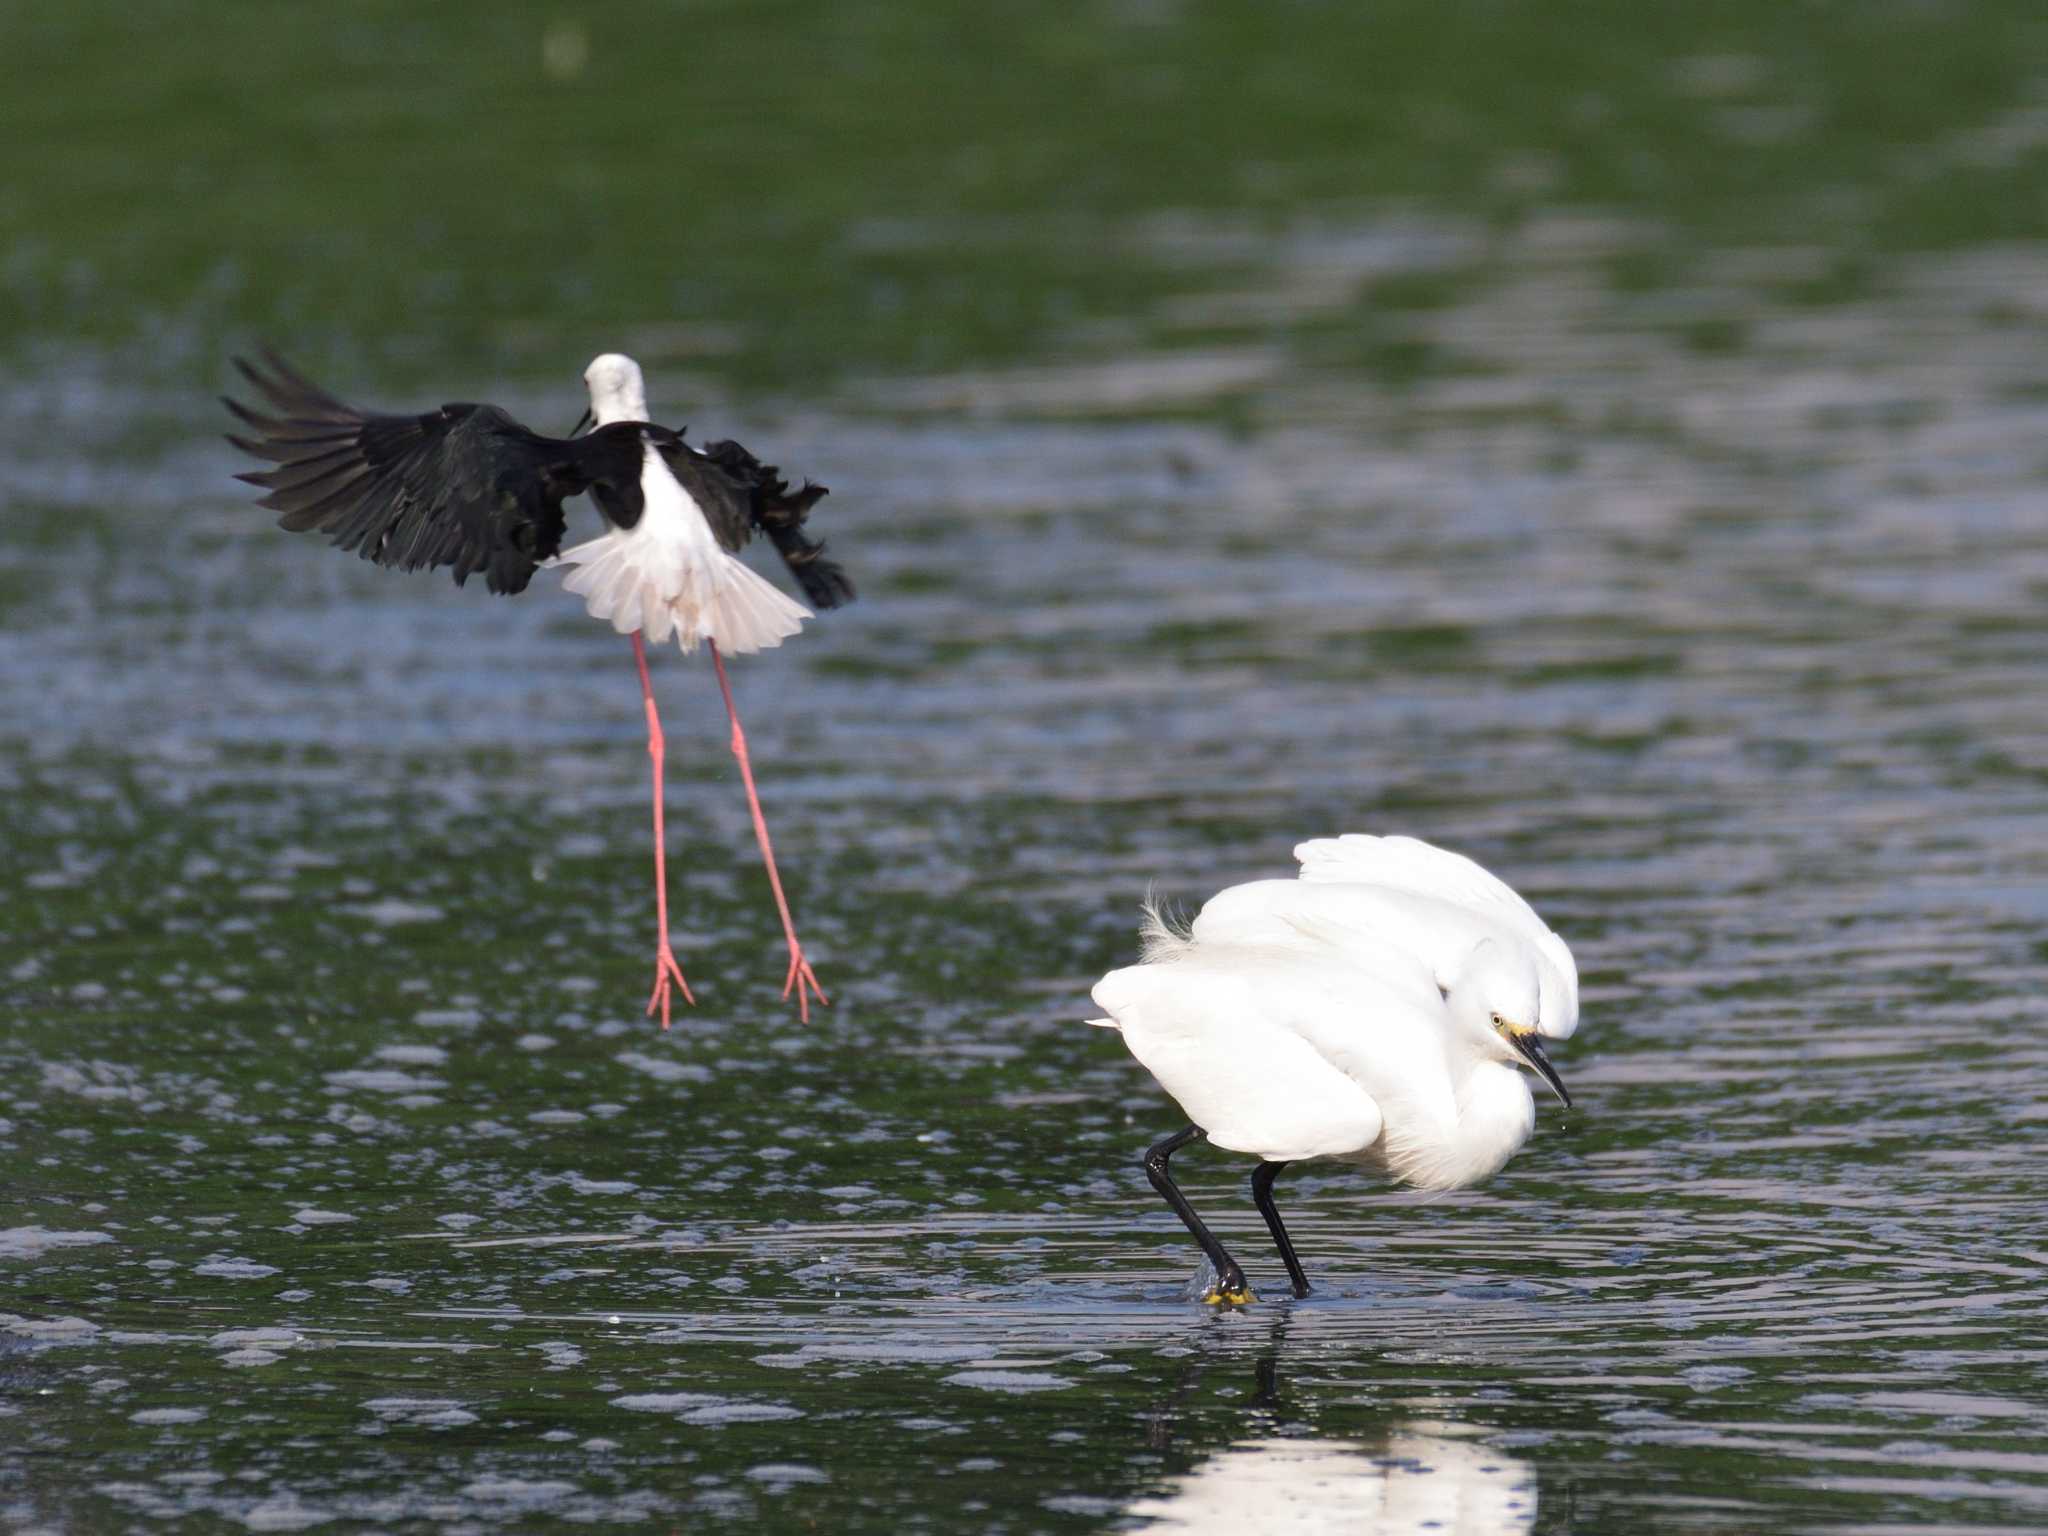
<point>346,1184</point>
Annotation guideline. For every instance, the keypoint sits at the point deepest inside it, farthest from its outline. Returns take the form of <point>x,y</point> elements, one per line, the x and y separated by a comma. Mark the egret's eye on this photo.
<point>1498,1021</point>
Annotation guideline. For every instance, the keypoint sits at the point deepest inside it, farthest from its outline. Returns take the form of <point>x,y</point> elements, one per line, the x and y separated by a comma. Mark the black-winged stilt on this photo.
<point>468,487</point>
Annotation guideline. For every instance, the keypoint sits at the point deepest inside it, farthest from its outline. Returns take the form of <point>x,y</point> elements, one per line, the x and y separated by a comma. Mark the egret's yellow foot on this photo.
<point>1229,1296</point>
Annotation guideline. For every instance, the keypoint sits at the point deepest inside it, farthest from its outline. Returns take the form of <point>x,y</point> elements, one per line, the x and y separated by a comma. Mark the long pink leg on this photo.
<point>665,967</point>
<point>800,976</point>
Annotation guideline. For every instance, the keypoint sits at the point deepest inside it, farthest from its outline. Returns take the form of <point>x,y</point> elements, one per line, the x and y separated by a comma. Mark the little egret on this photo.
<point>1374,1010</point>
<point>466,486</point>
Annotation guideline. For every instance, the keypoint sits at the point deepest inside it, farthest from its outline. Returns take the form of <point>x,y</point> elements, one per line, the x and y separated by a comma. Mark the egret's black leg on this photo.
<point>1262,1196</point>
<point>1230,1286</point>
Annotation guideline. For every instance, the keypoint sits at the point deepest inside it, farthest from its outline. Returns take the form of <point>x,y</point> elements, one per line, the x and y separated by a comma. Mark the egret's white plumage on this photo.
<point>1378,1010</point>
<point>667,575</point>
<point>1361,896</point>
<point>1288,1056</point>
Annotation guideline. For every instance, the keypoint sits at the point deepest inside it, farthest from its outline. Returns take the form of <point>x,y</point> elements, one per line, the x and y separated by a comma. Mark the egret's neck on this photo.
<point>1496,1113</point>
<point>1495,1116</point>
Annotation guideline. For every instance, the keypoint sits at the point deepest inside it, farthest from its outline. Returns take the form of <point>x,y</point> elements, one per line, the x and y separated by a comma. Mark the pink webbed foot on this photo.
<point>803,981</point>
<point>668,975</point>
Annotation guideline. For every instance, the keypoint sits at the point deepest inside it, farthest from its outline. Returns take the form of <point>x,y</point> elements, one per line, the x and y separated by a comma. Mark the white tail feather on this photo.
<point>748,614</point>
<point>725,601</point>
<point>667,576</point>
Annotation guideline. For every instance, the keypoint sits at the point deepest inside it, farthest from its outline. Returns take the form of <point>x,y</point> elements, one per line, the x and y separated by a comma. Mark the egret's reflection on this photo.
<point>1413,1481</point>
<point>1405,1478</point>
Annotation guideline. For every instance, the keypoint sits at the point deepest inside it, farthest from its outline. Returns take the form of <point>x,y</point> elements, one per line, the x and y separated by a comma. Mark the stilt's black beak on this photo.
<point>1530,1045</point>
<point>582,423</point>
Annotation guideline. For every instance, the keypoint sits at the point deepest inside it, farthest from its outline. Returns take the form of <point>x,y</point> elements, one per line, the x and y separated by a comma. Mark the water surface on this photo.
<point>1684,565</point>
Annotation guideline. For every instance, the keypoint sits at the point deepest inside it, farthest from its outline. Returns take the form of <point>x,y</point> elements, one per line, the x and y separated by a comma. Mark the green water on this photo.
<point>1607,442</point>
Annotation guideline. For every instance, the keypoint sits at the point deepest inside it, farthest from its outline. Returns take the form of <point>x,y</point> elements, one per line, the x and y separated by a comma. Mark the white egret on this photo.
<point>1375,1010</point>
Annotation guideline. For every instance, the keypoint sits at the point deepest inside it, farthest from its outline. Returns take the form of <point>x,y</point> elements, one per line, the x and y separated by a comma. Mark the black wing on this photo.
<point>465,486</point>
<point>738,494</point>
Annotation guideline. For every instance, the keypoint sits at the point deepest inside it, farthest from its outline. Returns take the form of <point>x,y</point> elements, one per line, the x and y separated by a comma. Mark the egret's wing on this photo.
<point>1409,864</point>
<point>739,494</point>
<point>1423,869</point>
<point>465,486</point>
<point>1405,941</point>
<point>1402,944</point>
<point>1257,1053</point>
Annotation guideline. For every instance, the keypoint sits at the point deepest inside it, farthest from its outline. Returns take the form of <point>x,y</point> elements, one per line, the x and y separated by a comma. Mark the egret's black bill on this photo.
<point>1531,1047</point>
<point>583,423</point>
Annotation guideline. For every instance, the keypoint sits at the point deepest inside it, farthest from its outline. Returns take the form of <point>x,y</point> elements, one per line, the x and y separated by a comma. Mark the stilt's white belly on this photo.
<point>667,575</point>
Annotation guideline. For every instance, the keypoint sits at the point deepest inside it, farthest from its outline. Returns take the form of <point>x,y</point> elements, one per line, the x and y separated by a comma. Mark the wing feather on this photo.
<point>740,495</point>
<point>1409,864</point>
<point>464,486</point>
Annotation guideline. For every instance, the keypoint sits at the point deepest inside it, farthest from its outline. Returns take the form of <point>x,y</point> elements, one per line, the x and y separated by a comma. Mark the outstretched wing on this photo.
<point>739,494</point>
<point>465,486</point>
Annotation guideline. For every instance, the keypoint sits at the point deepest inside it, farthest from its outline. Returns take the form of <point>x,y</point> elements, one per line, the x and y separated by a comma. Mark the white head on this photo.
<point>617,392</point>
<point>1496,1002</point>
